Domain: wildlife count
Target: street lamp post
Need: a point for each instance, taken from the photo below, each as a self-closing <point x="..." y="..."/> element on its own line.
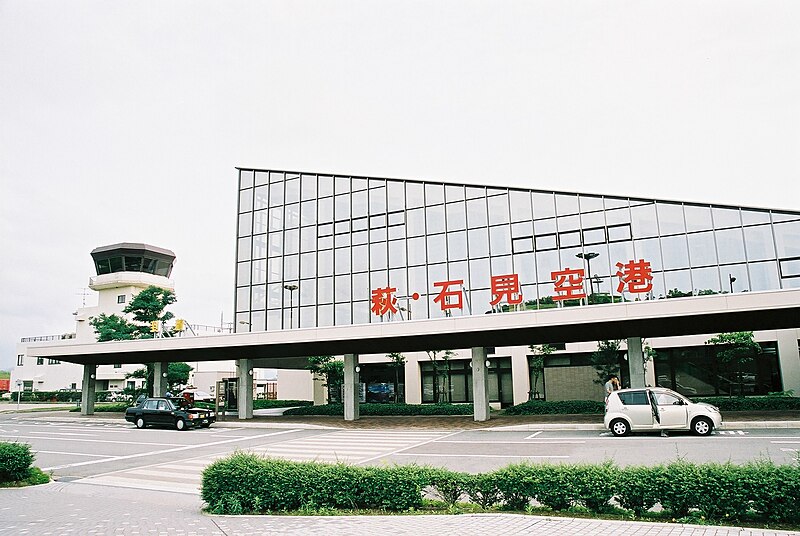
<point x="731" y="280"/>
<point x="588" y="256"/>
<point x="291" y="289"/>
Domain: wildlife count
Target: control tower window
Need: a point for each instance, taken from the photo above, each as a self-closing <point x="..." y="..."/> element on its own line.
<point x="121" y="298"/>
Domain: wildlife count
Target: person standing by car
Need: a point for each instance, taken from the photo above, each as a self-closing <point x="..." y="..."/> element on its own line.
<point x="611" y="385"/>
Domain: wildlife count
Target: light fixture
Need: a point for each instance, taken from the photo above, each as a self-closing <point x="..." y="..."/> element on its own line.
<point x="163" y="374"/>
<point x="488" y="363"/>
<point x="244" y="322"/>
<point x="250" y="372"/>
<point x="91" y="376"/>
<point x="358" y="369"/>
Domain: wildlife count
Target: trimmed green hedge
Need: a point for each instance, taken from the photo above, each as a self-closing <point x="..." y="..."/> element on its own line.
<point x="754" y="492"/>
<point x="562" y="407"/>
<point x="15" y="461"/>
<point x="269" y="404"/>
<point x="386" y="409"/>
<point x="752" y="403"/>
<point x="60" y="396"/>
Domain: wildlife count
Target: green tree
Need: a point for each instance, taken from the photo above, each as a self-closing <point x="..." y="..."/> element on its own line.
<point x="440" y="363"/>
<point x="147" y="306"/>
<point x="605" y="360"/>
<point x="177" y="376"/>
<point x="397" y="361"/>
<point x="540" y="352"/>
<point x="332" y="372"/>
<point x="736" y="350"/>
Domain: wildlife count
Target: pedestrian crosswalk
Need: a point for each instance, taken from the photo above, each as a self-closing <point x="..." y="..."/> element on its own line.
<point x="346" y="446"/>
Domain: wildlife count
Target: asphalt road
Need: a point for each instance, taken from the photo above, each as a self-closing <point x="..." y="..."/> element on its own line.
<point x="114" y="453"/>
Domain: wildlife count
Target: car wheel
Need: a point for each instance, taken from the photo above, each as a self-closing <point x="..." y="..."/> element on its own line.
<point x="180" y="424"/>
<point x="702" y="426"/>
<point x="140" y="422"/>
<point x="619" y="428"/>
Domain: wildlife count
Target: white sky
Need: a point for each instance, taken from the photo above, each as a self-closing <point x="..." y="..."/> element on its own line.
<point x="124" y="120"/>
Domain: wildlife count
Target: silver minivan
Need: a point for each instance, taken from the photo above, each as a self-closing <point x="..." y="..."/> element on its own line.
<point x="652" y="409"/>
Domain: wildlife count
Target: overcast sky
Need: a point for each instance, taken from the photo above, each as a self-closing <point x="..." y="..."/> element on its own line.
<point x="124" y="120"/>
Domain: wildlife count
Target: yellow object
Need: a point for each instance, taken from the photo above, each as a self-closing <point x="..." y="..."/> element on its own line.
<point x="179" y="325"/>
<point x="154" y="326"/>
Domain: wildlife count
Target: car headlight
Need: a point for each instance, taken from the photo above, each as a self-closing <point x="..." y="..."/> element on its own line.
<point x="193" y="416"/>
<point x="211" y="414"/>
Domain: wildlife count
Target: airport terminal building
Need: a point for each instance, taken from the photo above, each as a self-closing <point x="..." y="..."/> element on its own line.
<point x="316" y="250"/>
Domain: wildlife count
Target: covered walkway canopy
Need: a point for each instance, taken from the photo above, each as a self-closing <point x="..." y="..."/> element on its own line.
<point x="749" y="311"/>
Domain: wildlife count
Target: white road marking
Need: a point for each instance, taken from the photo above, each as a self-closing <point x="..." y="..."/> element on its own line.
<point x="102" y="441"/>
<point x="474" y="455"/>
<point x="534" y="434"/>
<point x="733" y="432"/>
<point x="409" y="447"/>
<point x="541" y="442"/>
<point x="74" y="454"/>
<point x="785" y="442"/>
<point x="184" y="447"/>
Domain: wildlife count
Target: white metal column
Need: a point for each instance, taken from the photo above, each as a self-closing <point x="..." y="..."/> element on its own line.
<point x="244" y="373"/>
<point x="635" y="362"/>
<point x="88" y="389"/>
<point x="351" y="384"/>
<point x="480" y="384"/>
<point x="160" y="379"/>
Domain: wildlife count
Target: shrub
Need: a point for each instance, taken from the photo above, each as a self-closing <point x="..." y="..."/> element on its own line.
<point x="482" y="490"/>
<point x="753" y="403"/>
<point x="15" y="461"/>
<point x="268" y="404"/>
<point x="518" y="484"/>
<point x="638" y="488"/>
<point x="562" y="407"/>
<point x="449" y="486"/>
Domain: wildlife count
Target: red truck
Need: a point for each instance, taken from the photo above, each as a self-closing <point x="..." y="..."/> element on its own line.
<point x="5" y="385"/>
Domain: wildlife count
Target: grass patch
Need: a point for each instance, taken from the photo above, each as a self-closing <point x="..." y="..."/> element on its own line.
<point x="35" y="478"/>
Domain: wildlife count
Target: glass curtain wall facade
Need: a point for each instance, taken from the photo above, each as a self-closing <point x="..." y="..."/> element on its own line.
<point x="312" y="247"/>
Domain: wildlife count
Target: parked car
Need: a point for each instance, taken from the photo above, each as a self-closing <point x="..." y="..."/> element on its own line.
<point x="168" y="412"/>
<point x="657" y="408"/>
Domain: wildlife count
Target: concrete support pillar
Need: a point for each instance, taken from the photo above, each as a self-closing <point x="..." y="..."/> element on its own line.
<point x="319" y="392"/>
<point x="480" y="384"/>
<point x="88" y="388"/>
<point x="789" y="360"/>
<point x="351" y="387"/>
<point x="160" y="379"/>
<point x="635" y="362"/>
<point x="413" y="382"/>
<point x="244" y="375"/>
<point x="520" y="374"/>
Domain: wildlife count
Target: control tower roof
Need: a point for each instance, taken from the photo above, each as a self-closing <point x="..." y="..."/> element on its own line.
<point x="133" y="257"/>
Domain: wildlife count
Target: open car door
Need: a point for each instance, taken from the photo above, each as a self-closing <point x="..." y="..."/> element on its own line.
<point x="654" y="406"/>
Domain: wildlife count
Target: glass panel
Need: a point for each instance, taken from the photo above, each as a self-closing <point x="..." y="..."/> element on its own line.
<point x="698" y="218"/>
<point x="245" y="223"/>
<point x="262" y="177"/>
<point x="325" y="317"/>
<point x="325" y="186"/>
<point x="784" y="216"/>
<point x="570" y="239"/>
<point x="308" y="239"/>
<point x="359" y="205"/>
<point x="245" y="200"/>
<point x="543" y="205"/>
<point x="274" y="294"/>
<point x="342" y="288"/>
<point x="726" y="217"/>
<point x="545" y="242"/>
<point x="594" y="236"/>
<point x="259" y="297"/>
<point x="308" y="211"/>
<point x="342" y="312"/>
<point x="243" y="299"/>
<point x="259" y="246"/>
<point x="501" y="265"/>
<point x="593" y="219"/>
<point x="416" y="251"/>
<point x="675" y="251"/>
<point x="618" y="216"/>
<point x="739" y="273"/>
<point x="260" y="222"/>
<point x="763" y="276"/>
<point x="525" y="267"/>
<point x="591" y="203"/>
<point x="418" y="280"/>
<point x="276" y="194"/>
<point x="360" y="258"/>
<point x="397" y="253"/>
<point x="378" y="252"/>
<point x="547" y="262"/>
<point x="566" y="204"/>
<point x="519" y="230"/>
<point x="325" y="210"/>
<point x="435" y="219"/>
<point x="705" y="280"/>
<point x="454" y="193"/>
<point x="476" y="213"/>
<point x="648" y="250"/>
<point x="434" y="193"/>
<point x="758" y="242"/>
<point x="325" y="262"/>
<point x="243" y="274"/>
<point x="457" y="246"/>
<point x="456" y="216"/>
<point x="341" y="185"/>
<point x="258" y="321"/>
<point x="245" y="179"/>
<point x="308" y="264"/>
<point x="498" y="209"/>
<point x="243" y="249"/>
<point x="569" y="223"/>
<point x="325" y="290"/>
<point x="396" y="193"/>
<point x="752" y="217"/>
<point x="361" y="290"/>
<point x="275" y="176"/>
<point x="500" y="240"/>
<point x="275" y="270"/>
<point x="479" y="274"/>
<point x="473" y="192"/>
<point x="643" y="221"/>
<point x="670" y="218"/>
<point x="261" y="197"/>
<point x="730" y="245"/>
<point x="702" y="250"/>
<point x="437" y="248"/>
<point x="308" y="292"/>
<point x="308" y="187"/>
<point x="415" y="225"/>
<point x="342" y="260"/>
<point x="342" y="207"/>
<point x="260" y="271"/>
<point x="291" y="242"/>
<point x="377" y="201"/>
<point x="522" y="245"/>
<point x="415" y="196"/>
<point x="619" y="232"/>
<point x="787" y="238"/>
<point x="543" y="227"/>
<point x="478" y="243"/>
<point x="292" y="191"/>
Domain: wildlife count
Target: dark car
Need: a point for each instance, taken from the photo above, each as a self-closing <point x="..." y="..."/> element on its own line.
<point x="168" y="412"/>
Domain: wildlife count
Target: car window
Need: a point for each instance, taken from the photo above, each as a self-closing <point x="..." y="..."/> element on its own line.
<point x="634" y="398"/>
<point x="150" y="404"/>
<point x="162" y="405"/>
<point x="666" y="399"/>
